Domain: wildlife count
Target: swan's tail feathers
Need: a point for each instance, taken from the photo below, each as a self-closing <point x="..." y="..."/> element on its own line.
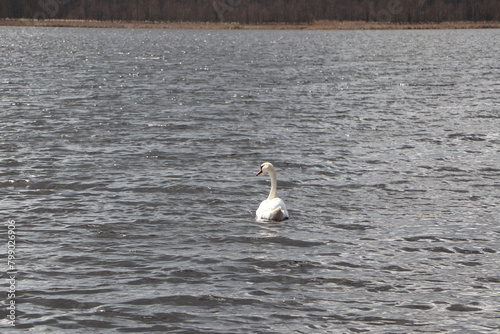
<point x="277" y="214"/>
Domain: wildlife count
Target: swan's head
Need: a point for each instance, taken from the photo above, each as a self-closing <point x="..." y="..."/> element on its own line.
<point x="265" y="167"/>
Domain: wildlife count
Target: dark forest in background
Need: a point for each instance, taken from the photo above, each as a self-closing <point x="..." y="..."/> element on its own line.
<point x="255" y="11"/>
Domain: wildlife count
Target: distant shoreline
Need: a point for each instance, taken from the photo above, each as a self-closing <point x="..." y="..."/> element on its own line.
<point x="316" y="25"/>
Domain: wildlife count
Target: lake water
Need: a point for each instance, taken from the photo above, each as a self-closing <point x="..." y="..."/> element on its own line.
<point x="128" y="161"/>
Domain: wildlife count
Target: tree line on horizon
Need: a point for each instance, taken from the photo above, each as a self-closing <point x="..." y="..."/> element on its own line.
<point x="255" y="11"/>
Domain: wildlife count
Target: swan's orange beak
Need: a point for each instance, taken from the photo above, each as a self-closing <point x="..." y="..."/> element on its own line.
<point x="259" y="172"/>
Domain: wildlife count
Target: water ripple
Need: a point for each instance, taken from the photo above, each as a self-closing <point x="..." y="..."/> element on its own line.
<point x="129" y="160"/>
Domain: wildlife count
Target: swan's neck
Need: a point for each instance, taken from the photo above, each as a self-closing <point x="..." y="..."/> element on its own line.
<point x="272" y="193"/>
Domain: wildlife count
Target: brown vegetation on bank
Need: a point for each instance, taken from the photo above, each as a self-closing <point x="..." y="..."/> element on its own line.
<point x="315" y="25"/>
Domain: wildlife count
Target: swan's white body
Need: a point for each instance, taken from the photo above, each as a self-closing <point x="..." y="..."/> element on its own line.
<point x="273" y="208"/>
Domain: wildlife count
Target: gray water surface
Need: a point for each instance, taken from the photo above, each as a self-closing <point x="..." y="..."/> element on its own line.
<point x="128" y="161"/>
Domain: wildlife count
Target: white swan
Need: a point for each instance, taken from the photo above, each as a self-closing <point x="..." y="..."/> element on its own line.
<point x="273" y="208"/>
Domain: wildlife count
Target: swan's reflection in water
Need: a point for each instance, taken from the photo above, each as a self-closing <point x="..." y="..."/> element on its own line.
<point x="269" y="229"/>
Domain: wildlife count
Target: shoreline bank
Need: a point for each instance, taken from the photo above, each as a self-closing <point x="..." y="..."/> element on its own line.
<point x="316" y="25"/>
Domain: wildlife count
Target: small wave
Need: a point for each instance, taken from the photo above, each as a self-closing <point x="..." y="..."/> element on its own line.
<point x="417" y="306"/>
<point x="422" y="238"/>
<point x="60" y="303"/>
<point x="284" y="264"/>
<point x="190" y="300"/>
<point x="268" y="240"/>
<point x="24" y="183"/>
<point x="463" y="308"/>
